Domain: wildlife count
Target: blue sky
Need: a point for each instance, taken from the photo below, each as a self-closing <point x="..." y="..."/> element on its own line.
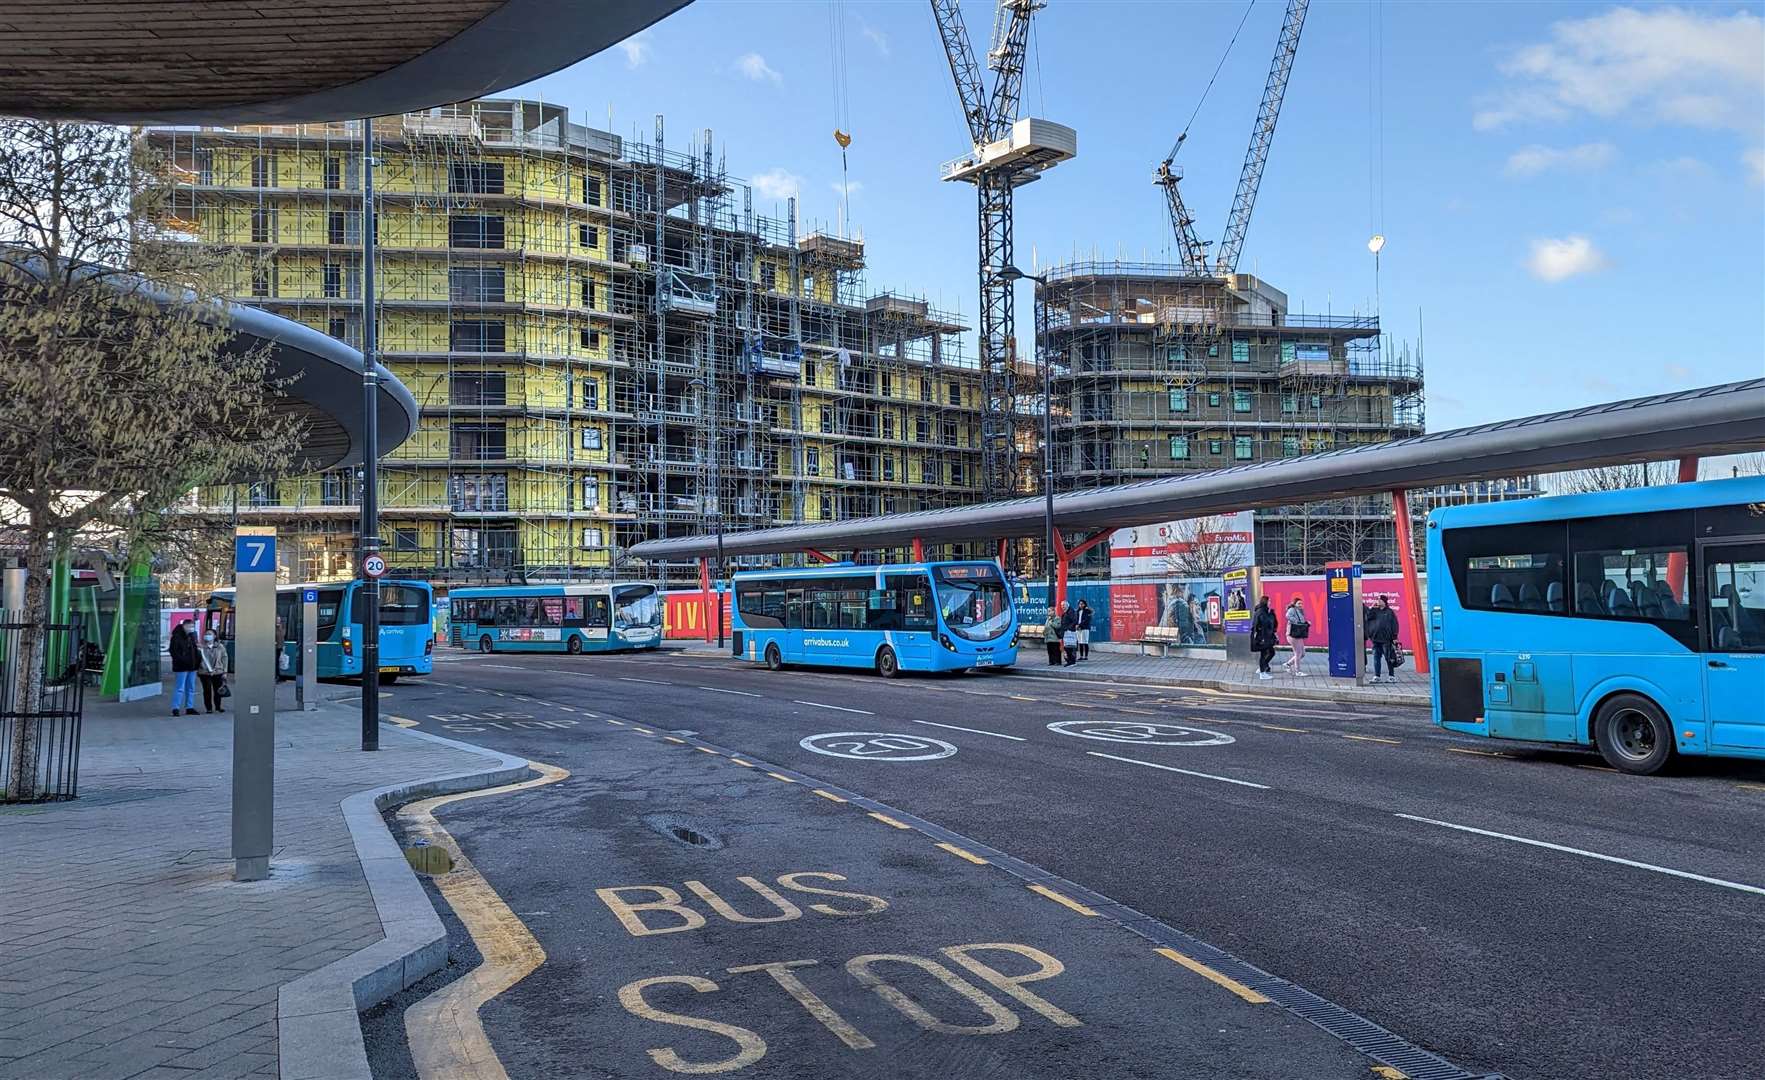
<point x="1573" y="195"/>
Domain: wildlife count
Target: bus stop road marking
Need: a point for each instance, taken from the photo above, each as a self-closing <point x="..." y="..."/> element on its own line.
<point x="962" y="853"/>
<point x="828" y="795"/>
<point x="401" y="721"/>
<point x="972" y="731"/>
<point x="1213" y="976"/>
<point x="1374" y="738"/>
<point x="1686" y="874"/>
<point x="1752" y="787"/>
<point x="652" y="682"/>
<point x="836" y="708"/>
<point x="887" y="820"/>
<point x="1185" y="772"/>
<point x="672" y="739"/>
<point x="1278" y="727"/>
<point x="781" y="777"/>
<point x="1479" y="753"/>
<point x="721" y="690"/>
<point x="1062" y="899"/>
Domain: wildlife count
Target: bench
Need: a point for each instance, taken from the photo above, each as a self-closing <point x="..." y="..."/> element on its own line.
<point x="1160" y="638"/>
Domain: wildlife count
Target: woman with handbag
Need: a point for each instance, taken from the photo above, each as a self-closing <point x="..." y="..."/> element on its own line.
<point x="213" y="672"/>
<point x="1298" y="629"/>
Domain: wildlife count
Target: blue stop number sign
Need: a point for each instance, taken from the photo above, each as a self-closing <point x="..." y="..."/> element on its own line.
<point x="373" y="566"/>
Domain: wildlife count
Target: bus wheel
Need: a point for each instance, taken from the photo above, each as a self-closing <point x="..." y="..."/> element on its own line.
<point x="1632" y="735"/>
<point x="774" y="660"/>
<point x="886" y="664"/>
<point x="575" y="645"/>
<point x="484" y="643"/>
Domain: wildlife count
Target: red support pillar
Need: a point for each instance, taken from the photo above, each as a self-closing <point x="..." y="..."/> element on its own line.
<point x="1412" y="586"/>
<point x="1063" y="557"/>
<point x="1003" y="544"/>
<point x="705" y="596"/>
<point x="918" y="549"/>
<point x="1688" y="472"/>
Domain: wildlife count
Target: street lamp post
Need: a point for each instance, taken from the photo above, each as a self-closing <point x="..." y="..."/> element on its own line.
<point x="370" y="524"/>
<point x="1045" y="359"/>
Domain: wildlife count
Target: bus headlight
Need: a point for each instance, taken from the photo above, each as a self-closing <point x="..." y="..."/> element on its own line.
<point x="944" y="640"/>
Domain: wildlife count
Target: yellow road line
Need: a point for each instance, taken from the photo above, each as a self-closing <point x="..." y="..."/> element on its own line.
<point x="1479" y="753"/>
<point x="672" y="739"/>
<point x="962" y="854"/>
<point x="1213" y="976"/>
<point x="645" y="730"/>
<point x="1062" y="900"/>
<point x="1278" y="727"/>
<point x="401" y="721"/>
<point x="446" y="1037"/>
<point x="1752" y="787"/>
<point x="743" y="764"/>
<point x="1020" y="697"/>
<point x="1386" y="1072"/>
<point x="887" y="820"/>
<point x="1374" y="738"/>
<point x="781" y="776"/>
<point x="830" y="796"/>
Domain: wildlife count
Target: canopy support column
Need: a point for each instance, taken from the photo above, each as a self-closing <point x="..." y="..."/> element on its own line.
<point x="705" y="597"/>
<point x="1412" y="588"/>
<point x="1063" y="557"/>
<point x="1676" y="563"/>
<point x="918" y="549"/>
<point x="822" y="555"/>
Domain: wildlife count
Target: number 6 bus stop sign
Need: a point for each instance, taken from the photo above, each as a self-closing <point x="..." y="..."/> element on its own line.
<point x="373" y="566"/>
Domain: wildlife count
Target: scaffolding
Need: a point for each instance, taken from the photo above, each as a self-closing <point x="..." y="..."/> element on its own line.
<point x="1157" y="370"/>
<point x="605" y="341"/>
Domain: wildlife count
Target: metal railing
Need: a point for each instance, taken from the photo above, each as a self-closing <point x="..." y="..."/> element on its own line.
<point x="41" y="705"/>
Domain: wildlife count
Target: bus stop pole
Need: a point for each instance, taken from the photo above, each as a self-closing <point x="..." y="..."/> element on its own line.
<point x="369" y="594"/>
<point x="255" y="652"/>
<point x="307" y="688"/>
<point x="1412" y="587"/>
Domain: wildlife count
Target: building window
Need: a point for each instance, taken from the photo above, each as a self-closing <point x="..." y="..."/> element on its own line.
<point x="1213" y="351"/>
<point x="1240" y="352"/>
<point x="592" y="537"/>
<point x="477" y="284"/>
<point x="475" y="231"/>
<point x="812" y="460"/>
<point x="591" y="495"/>
<point x="479" y="492"/>
<point x="888" y="425"/>
<point x="591" y="438"/>
<point x="337" y="488"/>
<point x="826" y="506"/>
<point x="338" y="328"/>
<point x="591" y="339"/>
<point x="1179" y="448"/>
<point x="477" y="335"/>
<point x="1240" y="401"/>
<point x="957" y="477"/>
<point x="1179" y="401"/>
<point x="262" y="494"/>
<point x="260" y="280"/>
<point x="1289" y="403"/>
<point x="922" y="428"/>
<point x="955" y="389"/>
<point x="826" y="420"/>
<point x="588" y="236"/>
<point x="1214" y="446"/>
<point x="768" y="276"/>
<point x="478" y="442"/>
<point x="588" y="292"/>
<point x="591" y="189"/>
<point x="406" y="539"/>
<point x="263" y="226"/>
<point x="888" y="385"/>
<point x="1317" y="401"/>
<point x="947" y="433"/>
<point x="808" y="372"/>
<point x="476" y="178"/>
<point x="263" y="170"/>
<point x="925" y="389"/>
<point x="333" y="280"/>
<point x="888" y="466"/>
<point x="333" y="173"/>
<point x="336" y="228"/>
<point x="478" y="388"/>
<point x="1289" y="446"/>
<point x="591" y="394"/>
<point x="1242" y="447"/>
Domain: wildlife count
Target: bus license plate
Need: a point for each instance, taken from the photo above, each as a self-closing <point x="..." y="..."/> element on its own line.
<point x="393" y="670"/>
<point x="983" y="662"/>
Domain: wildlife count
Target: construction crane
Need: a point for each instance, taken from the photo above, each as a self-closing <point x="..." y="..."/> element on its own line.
<point x="1006" y="153"/>
<point x="1191" y="251"/>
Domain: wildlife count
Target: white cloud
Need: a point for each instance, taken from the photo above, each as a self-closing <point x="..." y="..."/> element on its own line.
<point x="876" y="37"/>
<point x="1667" y="65"/>
<point x="778" y="184"/>
<point x="1534" y="159"/>
<point x="1683" y="167"/>
<point x="755" y="67"/>
<point x="637" y="50"/>
<point x="1678" y="373"/>
<point x="1754" y="160"/>
<point x="852" y="188"/>
<point x="1559" y="259"/>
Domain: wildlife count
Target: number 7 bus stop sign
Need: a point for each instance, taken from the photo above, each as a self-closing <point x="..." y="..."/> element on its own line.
<point x="373" y="566"/>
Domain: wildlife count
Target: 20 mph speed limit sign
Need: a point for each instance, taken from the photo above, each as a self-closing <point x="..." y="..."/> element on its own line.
<point x="373" y="566"/>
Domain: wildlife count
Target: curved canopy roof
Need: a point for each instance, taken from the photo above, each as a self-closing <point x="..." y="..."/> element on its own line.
<point x="245" y="61"/>
<point x="1724" y="419"/>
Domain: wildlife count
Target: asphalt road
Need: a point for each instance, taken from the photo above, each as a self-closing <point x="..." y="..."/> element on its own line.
<point x="1448" y="891"/>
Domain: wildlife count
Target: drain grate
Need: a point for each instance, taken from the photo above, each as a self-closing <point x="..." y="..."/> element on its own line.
<point x="689" y="836"/>
<point x="685" y="830"/>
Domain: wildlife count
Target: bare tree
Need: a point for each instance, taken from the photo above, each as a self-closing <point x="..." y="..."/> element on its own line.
<point x="1207" y="547"/>
<point x="122" y="385"/>
<point x="1613" y="477"/>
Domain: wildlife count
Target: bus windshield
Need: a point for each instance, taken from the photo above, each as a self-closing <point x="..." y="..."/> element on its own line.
<point x="636" y="606"/>
<point x="973" y="601"/>
<point x="401" y="605"/>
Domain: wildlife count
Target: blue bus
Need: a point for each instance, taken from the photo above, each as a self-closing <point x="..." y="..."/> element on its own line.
<point x="407" y="628"/>
<point x="557" y="618"/>
<point x="938" y="616"/>
<point x="1632" y="621"/>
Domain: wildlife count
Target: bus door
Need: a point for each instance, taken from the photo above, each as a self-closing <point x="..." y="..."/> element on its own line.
<point x="1734" y="666"/>
<point x="794" y="611"/>
<point x="597" y="621"/>
<point x="919" y="624"/>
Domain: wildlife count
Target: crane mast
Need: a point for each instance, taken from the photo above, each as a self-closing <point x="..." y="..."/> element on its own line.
<point x="1191" y="249"/>
<point x="1250" y="177"/>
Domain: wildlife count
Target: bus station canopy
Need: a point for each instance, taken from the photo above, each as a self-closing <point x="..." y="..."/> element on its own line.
<point x="1724" y="419"/>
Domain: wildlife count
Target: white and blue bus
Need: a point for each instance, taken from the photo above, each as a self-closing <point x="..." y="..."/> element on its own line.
<point x="407" y="627"/>
<point x="938" y="616"/>
<point x="1633" y="621"/>
<point x="557" y="618"/>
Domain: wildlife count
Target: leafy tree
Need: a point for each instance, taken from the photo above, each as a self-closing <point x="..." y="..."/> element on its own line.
<point x="122" y="383"/>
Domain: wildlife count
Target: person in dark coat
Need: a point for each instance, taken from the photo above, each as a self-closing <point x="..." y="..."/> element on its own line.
<point x="1085" y="617"/>
<point x="185" y="662"/>
<point x="1069" y="634"/>
<point x="1262" y="637"/>
<point x="1381" y="630"/>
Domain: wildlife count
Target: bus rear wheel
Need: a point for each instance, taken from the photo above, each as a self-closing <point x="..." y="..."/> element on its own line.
<point x="484" y="644"/>
<point x="575" y="646"/>
<point x="774" y="659"/>
<point x="887" y="665"/>
<point x="1633" y="735"/>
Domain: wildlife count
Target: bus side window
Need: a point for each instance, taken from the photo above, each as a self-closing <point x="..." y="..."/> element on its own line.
<point x="793" y="609"/>
<point x="881" y="611"/>
<point x="573" y="611"/>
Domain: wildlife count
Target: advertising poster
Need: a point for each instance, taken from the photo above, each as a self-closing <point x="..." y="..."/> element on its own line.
<point x="1311" y="590"/>
<point x="684" y="615"/>
<point x="1169" y="575"/>
<point x="1238" y="614"/>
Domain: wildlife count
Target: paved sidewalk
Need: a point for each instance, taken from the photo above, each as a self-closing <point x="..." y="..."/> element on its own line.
<point x="1220" y="674"/>
<point x="127" y="950"/>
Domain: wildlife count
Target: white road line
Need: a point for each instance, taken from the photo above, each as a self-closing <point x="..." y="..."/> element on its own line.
<point x="973" y="731"/>
<point x="836" y="708"/>
<point x="721" y="690"/>
<point x="652" y="682"/>
<point x="1185" y="772"/>
<point x="1591" y="855"/>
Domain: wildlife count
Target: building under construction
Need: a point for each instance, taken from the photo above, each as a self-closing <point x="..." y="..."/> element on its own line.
<point x="1157" y="369"/>
<point x="607" y="343"/>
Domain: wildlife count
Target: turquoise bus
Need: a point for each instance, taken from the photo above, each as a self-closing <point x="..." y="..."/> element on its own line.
<point x="407" y="627"/>
<point x="1632" y="621"/>
<point x="557" y="618"/>
<point x="938" y="616"/>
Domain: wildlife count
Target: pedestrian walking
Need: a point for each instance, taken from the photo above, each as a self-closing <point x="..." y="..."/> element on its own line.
<point x="1298" y="629"/>
<point x="1085" y="617"/>
<point x="213" y="672"/>
<point x="1051" y="636"/>
<point x="1381" y="630"/>
<point x="185" y="662"/>
<point x="1069" y="633"/>
<point x="1262" y="636"/>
